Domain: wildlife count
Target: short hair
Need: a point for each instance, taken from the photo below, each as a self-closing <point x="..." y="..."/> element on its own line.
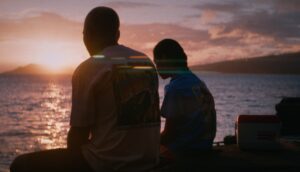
<point x="170" y="51"/>
<point x="102" y="22"/>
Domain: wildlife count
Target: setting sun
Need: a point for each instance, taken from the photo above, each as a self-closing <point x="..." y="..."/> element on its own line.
<point x="53" y="64"/>
<point x="51" y="55"/>
<point x="56" y="56"/>
<point x="81" y="81"/>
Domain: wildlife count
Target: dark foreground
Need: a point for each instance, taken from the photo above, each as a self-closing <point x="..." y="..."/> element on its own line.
<point x="230" y="158"/>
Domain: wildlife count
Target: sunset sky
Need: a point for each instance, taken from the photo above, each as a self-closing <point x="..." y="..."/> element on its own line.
<point x="50" y="31"/>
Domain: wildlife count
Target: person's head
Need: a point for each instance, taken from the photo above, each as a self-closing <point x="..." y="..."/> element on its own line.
<point x="169" y="58"/>
<point x="101" y="29"/>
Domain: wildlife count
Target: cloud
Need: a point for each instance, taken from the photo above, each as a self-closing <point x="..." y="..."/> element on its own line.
<point x="208" y="16"/>
<point x="246" y="34"/>
<point x="248" y="28"/>
<point x="122" y="4"/>
<point x="27" y="33"/>
<point x="212" y="13"/>
<point x="231" y="7"/>
<point x="280" y="26"/>
<point x="283" y="5"/>
<point x="34" y="38"/>
<point x="243" y="23"/>
<point x="41" y="25"/>
<point x="145" y="36"/>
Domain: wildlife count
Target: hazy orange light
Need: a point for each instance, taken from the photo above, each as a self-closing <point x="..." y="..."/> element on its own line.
<point x="53" y="61"/>
<point x="53" y="56"/>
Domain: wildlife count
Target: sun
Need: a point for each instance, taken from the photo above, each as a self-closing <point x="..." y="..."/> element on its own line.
<point x="53" y="65"/>
<point x="53" y="62"/>
<point x="53" y="58"/>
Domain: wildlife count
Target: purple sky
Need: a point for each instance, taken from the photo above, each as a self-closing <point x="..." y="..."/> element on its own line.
<point x="50" y="32"/>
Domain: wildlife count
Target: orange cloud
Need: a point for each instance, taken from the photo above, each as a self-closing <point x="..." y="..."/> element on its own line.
<point x="208" y="16"/>
<point x="24" y="40"/>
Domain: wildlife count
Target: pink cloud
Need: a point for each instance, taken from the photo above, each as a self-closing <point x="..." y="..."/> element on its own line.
<point x="220" y="42"/>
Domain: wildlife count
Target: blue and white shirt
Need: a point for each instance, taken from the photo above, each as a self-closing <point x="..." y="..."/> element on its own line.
<point x="190" y="115"/>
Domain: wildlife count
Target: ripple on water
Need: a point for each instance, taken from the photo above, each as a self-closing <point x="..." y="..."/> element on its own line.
<point x="34" y="111"/>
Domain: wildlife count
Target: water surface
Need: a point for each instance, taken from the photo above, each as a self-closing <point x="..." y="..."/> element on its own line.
<point x="34" y="110"/>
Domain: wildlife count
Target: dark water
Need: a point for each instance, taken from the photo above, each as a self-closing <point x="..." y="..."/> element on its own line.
<point x="34" y="111"/>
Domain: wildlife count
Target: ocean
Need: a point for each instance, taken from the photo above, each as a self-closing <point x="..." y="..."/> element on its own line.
<point x="34" y="110"/>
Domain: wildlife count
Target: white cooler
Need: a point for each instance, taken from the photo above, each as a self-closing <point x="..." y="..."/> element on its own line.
<point x="258" y="132"/>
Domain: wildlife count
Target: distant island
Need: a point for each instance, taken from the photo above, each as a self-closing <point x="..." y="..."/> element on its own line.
<point x="288" y="63"/>
<point x="35" y="69"/>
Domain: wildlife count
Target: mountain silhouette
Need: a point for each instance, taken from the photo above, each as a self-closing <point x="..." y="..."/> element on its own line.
<point x="288" y="63"/>
<point x="34" y="69"/>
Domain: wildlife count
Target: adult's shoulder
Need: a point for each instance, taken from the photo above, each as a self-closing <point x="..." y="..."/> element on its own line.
<point x="90" y="67"/>
<point x="184" y="81"/>
<point x="134" y="51"/>
<point x="121" y="50"/>
<point x="81" y="66"/>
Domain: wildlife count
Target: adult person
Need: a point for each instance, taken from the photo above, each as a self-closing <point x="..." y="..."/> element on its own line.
<point x="188" y="105"/>
<point x="115" y="121"/>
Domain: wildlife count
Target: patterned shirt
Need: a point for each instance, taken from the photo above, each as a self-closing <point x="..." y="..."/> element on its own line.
<point x="190" y="115"/>
<point x="115" y="93"/>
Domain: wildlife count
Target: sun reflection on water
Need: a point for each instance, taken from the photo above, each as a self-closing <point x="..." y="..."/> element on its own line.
<point x="55" y="117"/>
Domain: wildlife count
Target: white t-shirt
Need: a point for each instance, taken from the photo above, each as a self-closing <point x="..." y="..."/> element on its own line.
<point x="116" y="94"/>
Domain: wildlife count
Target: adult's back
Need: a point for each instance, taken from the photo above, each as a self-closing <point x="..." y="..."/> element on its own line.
<point x="117" y="96"/>
<point x="114" y="122"/>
